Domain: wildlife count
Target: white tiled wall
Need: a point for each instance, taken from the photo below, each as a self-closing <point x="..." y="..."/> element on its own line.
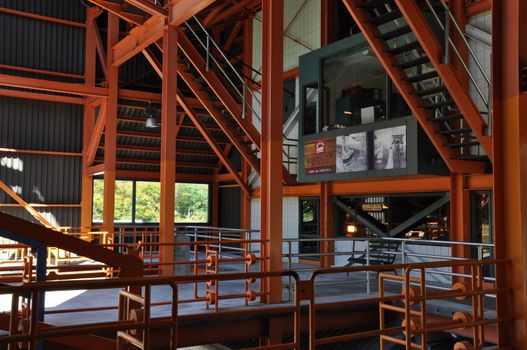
<point x="290" y="219"/>
<point x="302" y="35"/>
<point x="482" y="21"/>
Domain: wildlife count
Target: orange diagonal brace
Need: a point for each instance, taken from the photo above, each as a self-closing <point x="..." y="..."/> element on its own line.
<point x="431" y="129"/>
<point x="148" y="7"/>
<point x="182" y="10"/>
<point x="413" y="15"/>
<point x="117" y="10"/>
<point x="212" y="143"/>
<point x="25" y="205"/>
<point x="138" y="39"/>
<point x="96" y="136"/>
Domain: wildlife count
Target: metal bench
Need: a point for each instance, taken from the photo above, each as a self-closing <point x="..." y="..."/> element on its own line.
<point x="381" y="252"/>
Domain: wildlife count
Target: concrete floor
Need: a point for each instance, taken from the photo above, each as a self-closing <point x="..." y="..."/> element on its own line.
<point x="329" y="288"/>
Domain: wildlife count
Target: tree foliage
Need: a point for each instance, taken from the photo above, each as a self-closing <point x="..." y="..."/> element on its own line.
<point x="192" y="202"/>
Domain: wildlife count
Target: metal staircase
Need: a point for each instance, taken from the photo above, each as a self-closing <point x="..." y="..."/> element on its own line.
<point x="225" y="94"/>
<point x="404" y="35"/>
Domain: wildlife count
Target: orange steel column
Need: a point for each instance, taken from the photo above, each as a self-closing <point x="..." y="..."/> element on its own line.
<point x="327" y="225"/>
<point x="89" y="120"/>
<point x="459" y="216"/>
<point x="110" y="134"/>
<point x="271" y="162"/>
<point x="215" y="199"/>
<point x="247" y="72"/>
<point x="168" y="146"/>
<point x="510" y="167"/>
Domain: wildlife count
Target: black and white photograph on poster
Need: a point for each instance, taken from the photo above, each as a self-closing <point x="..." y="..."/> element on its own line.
<point x="390" y="148"/>
<point x="352" y="153"/>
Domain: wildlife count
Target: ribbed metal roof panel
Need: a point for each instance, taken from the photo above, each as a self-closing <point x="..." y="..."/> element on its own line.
<point x="67" y="216"/>
<point x="62" y="9"/>
<point x="40" y="125"/>
<point x="31" y="43"/>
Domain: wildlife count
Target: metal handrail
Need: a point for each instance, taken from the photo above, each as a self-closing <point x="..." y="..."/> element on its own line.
<point x="245" y="86"/>
<point x="456" y="51"/>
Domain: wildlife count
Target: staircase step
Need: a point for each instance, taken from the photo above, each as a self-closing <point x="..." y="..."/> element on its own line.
<point x="437" y="105"/>
<point x="404" y="48"/>
<point x="395" y="33"/>
<point x="372" y="4"/>
<point x="463" y="144"/>
<point x="417" y="62"/>
<point x="455" y="131"/>
<point x="421" y="77"/>
<point x="385" y="18"/>
<point x="473" y="157"/>
<point x="431" y="91"/>
<point x="447" y="118"/>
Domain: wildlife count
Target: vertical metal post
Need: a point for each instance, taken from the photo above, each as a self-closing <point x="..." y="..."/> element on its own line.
<point x="244" y="99"/>
<point x="289" y="268"/>
<point x="207" y="58"/>
<point x="219" y="245"/>
<point x="368" y="287"/>
<point x="403" y="253"/>
<point x="446" y="57"/>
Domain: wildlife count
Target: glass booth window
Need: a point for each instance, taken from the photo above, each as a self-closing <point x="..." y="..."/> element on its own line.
<point x="311" y="110"/>
<point x="354" y="90"/>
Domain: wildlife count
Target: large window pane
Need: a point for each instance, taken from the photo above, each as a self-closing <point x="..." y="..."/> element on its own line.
<point x="147" y="202"/>
<point x="98" y="200"/>
<point x="192" y="203"/>
<point x="124" y="192"/>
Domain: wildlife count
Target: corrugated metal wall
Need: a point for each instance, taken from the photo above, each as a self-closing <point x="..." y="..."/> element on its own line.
<point x="47" y="179"/>
<point x="229" y="212"/>
<point x="39" y="125"/>
<point x="32" y="43"/>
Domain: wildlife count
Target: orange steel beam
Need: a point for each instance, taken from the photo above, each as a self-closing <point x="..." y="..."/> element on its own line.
<point x="148" y="7"/>
<point x="42" y="18"/>
<point x="215" y="201"/>
<point x="477" y="7"/>
<point x="397" y="75"/>
<point x="213" y="13"/>
<point x="152" y="59"/>
<point x="168" y="147"/>
<point x="101" y="52"/>
<point x="231" y="11"/>
<point x="128" y="265"/>
<point x="232" y="36"/>
<point x="93" y="170"/>
<point x="53" y="86"/>
<point x="89" y="118"/>
<point x="96" y="135"/>
<point x="424" y="34"/>
<point x="158" y="162"/>
<point x="218" y="117"/>
<point x="509" y="54"/>
<point x="25" y="205"/>
<point x="153" y="175"/>
<point x="110" y="132"/>
<point x="118" y="10"/>
<point x="215" y="147"/>
<point x="40" y="71"/>
<point x="180" y="11"/>
<point x="47" y="153"/>
<point x="327" y="229"/>
<point x="30" y="95"/>
<point x="217" y="85"/>
<point x="272" y="124"/>
<point x="460" y="218"/>
<point x="148" y="149"/>
<point x="138" y="39"/>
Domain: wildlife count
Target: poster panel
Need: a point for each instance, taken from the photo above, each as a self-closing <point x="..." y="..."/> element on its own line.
<point x="319" y="157"/>
<point x="390" y="148"/>
<point x="352" y="153"/>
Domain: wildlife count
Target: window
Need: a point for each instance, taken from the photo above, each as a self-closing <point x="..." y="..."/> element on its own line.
<point x="147" y="201"/>
<point x="140" y="202"/>
<point x="192" y="203"/>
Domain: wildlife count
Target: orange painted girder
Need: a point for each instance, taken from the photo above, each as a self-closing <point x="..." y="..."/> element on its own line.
<point x="424" y="116"/>
<point x="459" y="93"/>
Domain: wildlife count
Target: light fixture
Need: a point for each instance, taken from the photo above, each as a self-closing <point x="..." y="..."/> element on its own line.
<point x="351" y="229"/>
<point x="150" y="112"/>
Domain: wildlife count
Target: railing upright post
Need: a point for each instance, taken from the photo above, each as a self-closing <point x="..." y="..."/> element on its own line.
<point x="447" y="36"/>
<point x="207" y="58"/>
<point x="368" y="264"/>
<point x="244" y="101"/>
<point x="289" y="268"/>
